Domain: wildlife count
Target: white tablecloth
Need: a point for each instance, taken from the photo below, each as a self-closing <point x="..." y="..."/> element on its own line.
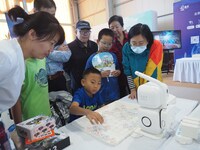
<point x="187" y="70"/>
<point x="172" y="144"/>
<point x="80" y="140"/>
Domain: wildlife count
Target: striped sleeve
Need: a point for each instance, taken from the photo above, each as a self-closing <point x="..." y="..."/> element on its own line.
<point x="130" y="82"/>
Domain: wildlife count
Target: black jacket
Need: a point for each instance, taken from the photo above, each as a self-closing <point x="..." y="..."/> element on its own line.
<point x="76" y="64"/>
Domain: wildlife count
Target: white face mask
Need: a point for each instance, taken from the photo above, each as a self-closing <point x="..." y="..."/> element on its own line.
<point x="138" y="49"/>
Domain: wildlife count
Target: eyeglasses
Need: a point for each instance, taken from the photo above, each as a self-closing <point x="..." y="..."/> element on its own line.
<point x="84" y="32"/>
<point x="106" y="44"/>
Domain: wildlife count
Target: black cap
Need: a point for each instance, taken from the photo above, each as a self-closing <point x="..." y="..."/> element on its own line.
<point x="83" y="25"/>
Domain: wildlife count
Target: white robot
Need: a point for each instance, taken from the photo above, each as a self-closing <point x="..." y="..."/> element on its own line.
<point x="156" y="107"/>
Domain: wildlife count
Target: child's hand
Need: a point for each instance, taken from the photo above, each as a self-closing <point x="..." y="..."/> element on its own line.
<point x="115" y="73"/>
<point x="105" y="74"/>
<point x="63" y="47"/>
<point x="94" y="117"/>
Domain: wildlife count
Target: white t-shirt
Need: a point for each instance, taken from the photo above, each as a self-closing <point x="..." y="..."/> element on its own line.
<point x="12" y="73"/>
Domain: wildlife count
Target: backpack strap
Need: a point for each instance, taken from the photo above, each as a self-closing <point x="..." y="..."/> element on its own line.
<point x="57" y="110"/>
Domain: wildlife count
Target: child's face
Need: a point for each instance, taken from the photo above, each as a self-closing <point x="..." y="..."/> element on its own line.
<point x="105" y="43"/>
<point x="91" y="83"/>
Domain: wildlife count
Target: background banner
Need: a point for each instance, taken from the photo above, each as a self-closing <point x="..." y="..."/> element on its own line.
<point x="187" y="19"/>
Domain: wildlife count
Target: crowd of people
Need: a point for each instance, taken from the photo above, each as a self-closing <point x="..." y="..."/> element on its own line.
<point x="35" y="63"/>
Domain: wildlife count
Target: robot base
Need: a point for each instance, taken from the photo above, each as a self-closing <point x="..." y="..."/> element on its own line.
<point x="152" y="136"/>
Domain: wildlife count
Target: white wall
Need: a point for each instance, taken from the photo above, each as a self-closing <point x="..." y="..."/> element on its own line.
<point x="96" y="13"/>
<point x="93" y="11"/>
<point x="148" y="17"/>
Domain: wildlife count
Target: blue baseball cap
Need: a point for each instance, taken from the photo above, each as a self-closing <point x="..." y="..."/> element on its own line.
<point x="83" y="25"/>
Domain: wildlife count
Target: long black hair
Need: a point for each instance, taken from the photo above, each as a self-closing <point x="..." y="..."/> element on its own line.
<point x="142" y="29"/>
<point x="44" y="24"/>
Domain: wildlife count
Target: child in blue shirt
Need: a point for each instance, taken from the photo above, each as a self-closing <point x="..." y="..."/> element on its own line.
<point x="87" y="99"/>
<point x="106" y="63"/>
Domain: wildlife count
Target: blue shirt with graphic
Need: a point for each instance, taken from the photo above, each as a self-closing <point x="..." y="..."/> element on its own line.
<point x="109" y="86"/>
<point x="85" y="101"/>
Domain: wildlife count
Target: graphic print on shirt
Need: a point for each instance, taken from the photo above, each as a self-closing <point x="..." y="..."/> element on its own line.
<point x="41" y="77"/>
<point x="92" y="107"/>
<point x="103" y="61"/>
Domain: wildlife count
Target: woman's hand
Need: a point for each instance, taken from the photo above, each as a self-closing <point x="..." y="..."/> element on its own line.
<point x="133" y="94"/>
<point x="94" y="117"/>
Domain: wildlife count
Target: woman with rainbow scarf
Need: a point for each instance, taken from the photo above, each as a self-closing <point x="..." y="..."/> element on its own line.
<point x="141" y="53"/>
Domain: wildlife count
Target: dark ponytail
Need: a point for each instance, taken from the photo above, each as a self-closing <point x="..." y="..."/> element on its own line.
<point x="17" y="12"/>
<point x="45" y="25"/>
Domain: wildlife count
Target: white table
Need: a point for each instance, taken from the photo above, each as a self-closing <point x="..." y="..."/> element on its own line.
<point x="187" y="70"/>
<point x="172" y="144"/>
<point x="80" y="140"/>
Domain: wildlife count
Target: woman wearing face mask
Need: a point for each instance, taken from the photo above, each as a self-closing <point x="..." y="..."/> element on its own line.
<point x="141" y="53"/>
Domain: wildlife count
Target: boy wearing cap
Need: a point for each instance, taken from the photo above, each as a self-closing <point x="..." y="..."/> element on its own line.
<point x="81" y="48"/>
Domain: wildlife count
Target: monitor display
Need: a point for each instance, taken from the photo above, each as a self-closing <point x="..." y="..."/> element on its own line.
<point x="171" y="39"/>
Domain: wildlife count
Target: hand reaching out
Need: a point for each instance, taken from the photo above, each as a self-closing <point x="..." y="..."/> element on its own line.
<point x="133" y="94"/>
<point x="94" y="117"/>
